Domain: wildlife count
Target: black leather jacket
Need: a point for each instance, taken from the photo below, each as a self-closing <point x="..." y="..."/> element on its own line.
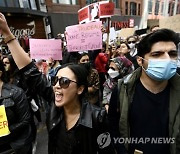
<point x="91" y="124"/>
<point x="18" y="116"/>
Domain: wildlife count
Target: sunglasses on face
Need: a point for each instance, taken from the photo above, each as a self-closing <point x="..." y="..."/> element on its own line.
<point x="129" y="42"/>
<point x="63" y="82"/>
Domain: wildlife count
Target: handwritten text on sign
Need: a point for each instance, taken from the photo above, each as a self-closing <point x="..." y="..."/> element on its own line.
<point x="4" y="129"/>
<point x="84" y="37"/>
<point x="45" y="49"/>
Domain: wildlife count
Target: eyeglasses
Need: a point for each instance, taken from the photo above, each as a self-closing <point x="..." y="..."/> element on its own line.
<point x="63" y="82"/>
<point x="129" y="42"/>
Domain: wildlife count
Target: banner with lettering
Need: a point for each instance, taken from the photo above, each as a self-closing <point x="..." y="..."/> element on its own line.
<point x="84" y="37"/>
<point x="106" y="9"/>
<point x="4" y="129"/>
<point x="45" y="49"/>
<point x="95" y="11"/>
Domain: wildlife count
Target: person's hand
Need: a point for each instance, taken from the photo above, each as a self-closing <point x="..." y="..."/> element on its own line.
<point x="4" y="29"/>
<point x="106" y="107"/>
<point x="103" y="30"/>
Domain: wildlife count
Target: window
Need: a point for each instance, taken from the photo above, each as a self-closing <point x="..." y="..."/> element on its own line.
<point x="65" y="1"/>
<point x="178" y="9"/>
<point x="132" y="8"/>
<point x="55" y="1"/>
<point x="171" y="8"/>
<point x="126" y="8"/>
<point x="139" y="9"/>
<point x="116" y="3"/>
<point x="16" y="3"/>
<point x="150" y="6"/>
<point x="173" y="5"/>
<point x="162" y="7"/>
<point x="2" y="3"/>
<point x="90" y="1"/>
<point x="10" y="3"/>
<point x="26" y="4"/>
<point x="33" y="5"/>
<point x="71" y="2"/>
<point x="74" y="2"/>
<point x="156" y="7"/>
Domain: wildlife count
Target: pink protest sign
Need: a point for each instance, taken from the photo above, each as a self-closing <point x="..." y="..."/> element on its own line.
<point x="44" y="49"/>
<point x="84" y="37"/>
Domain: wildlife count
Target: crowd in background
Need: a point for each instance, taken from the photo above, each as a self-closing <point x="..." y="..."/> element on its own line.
<point x="104" y="66"/>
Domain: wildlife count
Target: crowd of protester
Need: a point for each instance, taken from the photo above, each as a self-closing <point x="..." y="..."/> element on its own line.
<point x="91" y="93"/>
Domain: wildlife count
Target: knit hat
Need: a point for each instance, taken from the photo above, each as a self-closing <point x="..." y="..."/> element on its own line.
<point x="124" y="65"/>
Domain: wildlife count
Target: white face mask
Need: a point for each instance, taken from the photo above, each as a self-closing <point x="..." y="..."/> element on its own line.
<point x="113" y="73"/>
<point x="132" y="45"/>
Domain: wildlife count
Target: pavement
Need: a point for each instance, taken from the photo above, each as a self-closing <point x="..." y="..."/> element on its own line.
<point x="42" y="137"/>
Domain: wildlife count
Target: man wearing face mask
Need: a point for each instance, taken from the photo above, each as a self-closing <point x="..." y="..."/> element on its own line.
<point x="149" y="98"/>
<point x="118" y="68"/>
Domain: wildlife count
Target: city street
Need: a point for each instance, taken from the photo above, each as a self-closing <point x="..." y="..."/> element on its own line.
<point x="42" y="138"/>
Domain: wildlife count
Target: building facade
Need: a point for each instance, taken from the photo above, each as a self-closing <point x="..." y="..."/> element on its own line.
<point x="64" y="13"/>
<point x="26" y="19"/>
<point x="47" y="18"/>
<point x="25" y="16"/>
<point x="157" y="9"/>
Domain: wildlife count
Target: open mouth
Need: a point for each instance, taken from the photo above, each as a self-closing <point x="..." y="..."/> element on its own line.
<point x="58" y="96"/>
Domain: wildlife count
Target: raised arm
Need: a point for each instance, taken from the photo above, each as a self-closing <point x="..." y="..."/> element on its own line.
<point x="20" y="56"/>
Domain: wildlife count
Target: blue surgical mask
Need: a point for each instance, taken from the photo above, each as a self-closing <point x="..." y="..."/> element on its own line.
<point x="161" y="69"/>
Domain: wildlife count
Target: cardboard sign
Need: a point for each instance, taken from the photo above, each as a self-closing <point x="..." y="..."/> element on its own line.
<point x="45" y="49"/>
<point x="95" y="11"/>
<point x="172" y="23"/>
<point x="4" y="129"/>
<point x="84" y="37"/>
<point x="126" y="32"/>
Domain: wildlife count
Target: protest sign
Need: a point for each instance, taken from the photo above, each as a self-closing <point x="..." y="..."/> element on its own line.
<point x="4" y="129"/>
<point x="172" y="23"/>
<point x="112" y="36"/>
<point x="126" y="32"/>
<point x="106" y="9"/>
<point x="45" y="49"/>
<point x="83" y="15"/>
<point x="95" y="11"/>
<point x="84" y="37"/>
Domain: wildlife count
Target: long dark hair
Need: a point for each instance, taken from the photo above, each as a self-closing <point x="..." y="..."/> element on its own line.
<point x="4" y="77"/>
<point x="81" y="75"/>
<point x="13" y="67"/>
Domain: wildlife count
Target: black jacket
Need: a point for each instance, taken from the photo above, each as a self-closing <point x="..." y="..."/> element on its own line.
<point x="18" y="116"/>
<point x="92" y="122"/>
<point x="91" y="125"/>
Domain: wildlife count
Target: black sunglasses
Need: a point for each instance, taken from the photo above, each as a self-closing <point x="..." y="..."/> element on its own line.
<point x="131" y="42"/>
<point x="63" y="81"/>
